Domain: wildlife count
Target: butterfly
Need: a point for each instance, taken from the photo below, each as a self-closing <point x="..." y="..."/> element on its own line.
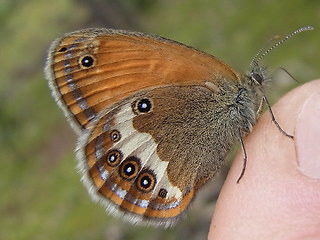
<point x="155" y="118"/>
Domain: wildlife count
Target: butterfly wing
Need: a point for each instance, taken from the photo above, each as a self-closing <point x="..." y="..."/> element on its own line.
<point x="90" y="70"/>
<point x="147" y="156"/>
<point x="144" y="108"/>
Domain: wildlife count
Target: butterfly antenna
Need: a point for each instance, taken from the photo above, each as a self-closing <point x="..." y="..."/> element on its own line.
<point x="264" y="46"/>
<point x="259" y="56"/>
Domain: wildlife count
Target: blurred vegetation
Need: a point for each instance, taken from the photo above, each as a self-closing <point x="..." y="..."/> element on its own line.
<point x="41" y="195"/>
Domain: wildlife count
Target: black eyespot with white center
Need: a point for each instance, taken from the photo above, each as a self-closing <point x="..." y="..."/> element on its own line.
<point x="146" y="181"/>
<point x="144" y="105"/>
<point x="115" y="136"/>
<point x="162" y="193"/>
<point x="87" y="61"/>
<point x="113" y="158"/>
<point x="130" y="168"/>
<point x="141" y="106"/>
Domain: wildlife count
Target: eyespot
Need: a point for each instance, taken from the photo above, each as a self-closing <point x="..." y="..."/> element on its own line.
<point x="63" y="49"/>
<point x="146" y="181"/>
<point x="129" y="168"/>
<point x="115" y="136"/>
<point x="113" y="158"/>
<point x="142" y="106"/>
<point x="162" y="193"/>
<point x="87" y="61"/>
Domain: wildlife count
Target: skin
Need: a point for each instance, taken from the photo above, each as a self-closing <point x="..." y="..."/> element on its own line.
<point x="279" y="194"/>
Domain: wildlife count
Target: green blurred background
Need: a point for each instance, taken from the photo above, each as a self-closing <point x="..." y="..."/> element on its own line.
<point x="41" y="195"/>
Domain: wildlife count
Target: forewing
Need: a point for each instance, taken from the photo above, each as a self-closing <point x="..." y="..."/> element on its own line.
<point x="90" y="70"/>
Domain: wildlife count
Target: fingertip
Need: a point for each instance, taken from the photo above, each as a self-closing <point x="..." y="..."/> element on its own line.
<point x="307" y="139"/>
<point x="272" y="193"/>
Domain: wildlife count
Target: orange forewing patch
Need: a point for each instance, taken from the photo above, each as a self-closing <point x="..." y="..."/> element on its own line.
<point x="126" y="63"/>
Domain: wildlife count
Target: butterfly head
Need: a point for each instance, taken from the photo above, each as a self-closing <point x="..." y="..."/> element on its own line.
<point x="258" y="74"/>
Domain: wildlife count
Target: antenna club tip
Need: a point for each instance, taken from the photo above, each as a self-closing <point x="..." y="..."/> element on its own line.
<point x="307" y="28"/>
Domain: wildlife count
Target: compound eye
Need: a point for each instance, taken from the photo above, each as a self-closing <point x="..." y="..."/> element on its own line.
<point x="257" y="77"/>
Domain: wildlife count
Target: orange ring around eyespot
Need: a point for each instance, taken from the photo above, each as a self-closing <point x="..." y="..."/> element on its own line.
<point x="135" y="163"/>
<point x="146" y="173"/>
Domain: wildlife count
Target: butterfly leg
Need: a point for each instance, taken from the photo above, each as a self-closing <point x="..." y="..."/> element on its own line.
<point x="261" y="106"/>
<point x="244" y="157"/>
<point x="274" y="120"/>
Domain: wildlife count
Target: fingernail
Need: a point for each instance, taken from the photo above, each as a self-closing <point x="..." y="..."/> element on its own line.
<point x="307" y="137"/>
